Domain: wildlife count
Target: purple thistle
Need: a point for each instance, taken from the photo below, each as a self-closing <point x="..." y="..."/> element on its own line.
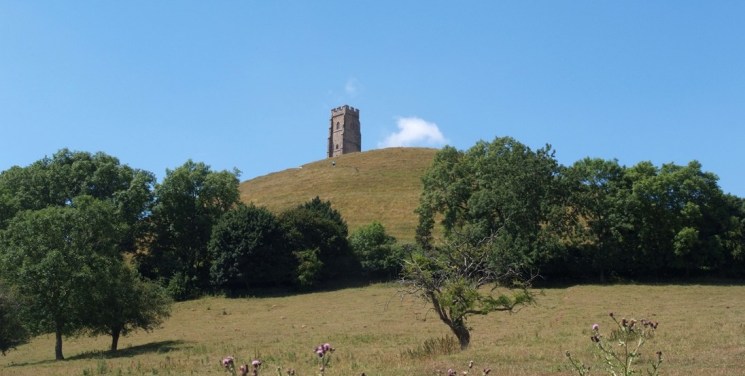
<point x="227" y="361"/>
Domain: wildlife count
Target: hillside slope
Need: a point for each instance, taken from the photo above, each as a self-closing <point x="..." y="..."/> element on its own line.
<point x="382" y="185"/>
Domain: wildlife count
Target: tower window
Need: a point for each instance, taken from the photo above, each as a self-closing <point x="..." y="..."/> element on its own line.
<point x="337" y="125"/>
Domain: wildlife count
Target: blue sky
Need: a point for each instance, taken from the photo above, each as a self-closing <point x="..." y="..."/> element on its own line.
<point x="250" y="84"/>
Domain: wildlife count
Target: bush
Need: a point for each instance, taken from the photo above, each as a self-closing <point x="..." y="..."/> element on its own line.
<point x="376" y="251"/>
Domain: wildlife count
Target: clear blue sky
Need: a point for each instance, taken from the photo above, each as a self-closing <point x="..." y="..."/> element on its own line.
<point x="250" y="84"/>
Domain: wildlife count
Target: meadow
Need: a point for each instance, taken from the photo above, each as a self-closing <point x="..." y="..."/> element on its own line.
<point x="701" y="331"/>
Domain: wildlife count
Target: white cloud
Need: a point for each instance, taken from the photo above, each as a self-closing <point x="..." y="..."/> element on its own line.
<point x="351" y="87"/>
<point x="413" y="131"/>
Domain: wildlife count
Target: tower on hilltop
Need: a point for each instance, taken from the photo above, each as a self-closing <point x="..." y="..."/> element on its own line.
<point x="344" y="131"/>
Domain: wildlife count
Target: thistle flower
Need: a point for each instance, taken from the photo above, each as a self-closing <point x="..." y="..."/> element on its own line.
<point x="321" y="350"/>
<point x="595" y="327"/>
<point x="228" y="361"/>
<point x="256" y="363"/>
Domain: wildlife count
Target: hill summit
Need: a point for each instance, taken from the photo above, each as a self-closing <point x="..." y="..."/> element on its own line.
<point x="377" y="185"/>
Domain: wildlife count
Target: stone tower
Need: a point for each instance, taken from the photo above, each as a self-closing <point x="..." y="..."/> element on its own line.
<point x="344" y="131"/>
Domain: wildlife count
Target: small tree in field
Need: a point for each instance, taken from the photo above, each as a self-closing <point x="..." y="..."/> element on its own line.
<point x="461" y="280"/>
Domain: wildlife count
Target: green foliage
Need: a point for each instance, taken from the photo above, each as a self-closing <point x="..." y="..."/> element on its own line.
<point x="12" y="330"/>
<point x="501" y="190"/>
<point x="309" y="267"/>
<point x="454" y="279"/>
<point x="124" y="302"/>
<point x="497" y="204"/>
<point x="315" y="225"/>
<point x="646" y="221"/>
<point x="619" y="352"/>
<point x="376" y="251"/>
<point x="66" y="221"/>
<point x="247" y="250"/>
<point x="51" y="255"/>
<point x="57" y="181"/>
<point x="189" y="201"/>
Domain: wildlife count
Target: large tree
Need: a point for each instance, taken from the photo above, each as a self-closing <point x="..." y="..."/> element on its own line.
<point x="497" y="203"/>
<point x="500" y="190"/>
<point x="189" y="201"/>
<point x="64" y="221"/>
<point x="247" y="250"/>
<point x="316" y="231"/>
<point x="51" y="256"/>
<point x="680" y="216"/>
<point x="598" y="196"/>
<point x="56" y="181"/>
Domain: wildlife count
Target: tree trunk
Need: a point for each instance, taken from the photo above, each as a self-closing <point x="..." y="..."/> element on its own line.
<point x="461" y="332"/>
<point x="115" y="338"/>
<point x="58" y="345"/>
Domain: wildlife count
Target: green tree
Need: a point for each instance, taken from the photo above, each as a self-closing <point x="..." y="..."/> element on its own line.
<point x="316" y="225"/>
<point x="189" y="201"/>
<point x="598" y="199"/>
<point x="680" y="216"/>
<point x="247" y="250"/>
<point x="51" y="255"/>
<point x="123" y="302"/>
<point x="459" y="280"/>
<point x="501" y="190"/>
<point x="12" y="330"/>
<point x="376" y="250"/>
<point x="498" y="205"/>
<point x="309" y="267"/>
<point x="68" y="174"/>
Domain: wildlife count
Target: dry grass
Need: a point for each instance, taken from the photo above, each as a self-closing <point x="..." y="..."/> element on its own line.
<point x="379" y="185"/>
<point x="701" y="332"/>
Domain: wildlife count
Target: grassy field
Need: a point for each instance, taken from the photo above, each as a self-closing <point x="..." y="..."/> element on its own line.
<point x="382" y="185"/>
<point x="701" y="332"/>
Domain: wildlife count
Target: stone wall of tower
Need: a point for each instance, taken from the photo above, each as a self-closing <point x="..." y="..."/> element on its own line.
<point x="344" y="131"/>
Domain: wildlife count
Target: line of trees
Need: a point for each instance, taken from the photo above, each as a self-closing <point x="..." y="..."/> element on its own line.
<point x="499" y="213"/>
<point x="593" y="219"/>
<point x="88" y="245"/>
<point x="91" y="246"/>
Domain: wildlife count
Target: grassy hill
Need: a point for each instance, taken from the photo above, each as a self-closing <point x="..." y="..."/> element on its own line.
<point x="382" y="185"/>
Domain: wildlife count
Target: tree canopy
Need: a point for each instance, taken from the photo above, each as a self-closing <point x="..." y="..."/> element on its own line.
<point x="247" y="250"/>
<point x="51" y="256"/>
<point x="189" y="201"/>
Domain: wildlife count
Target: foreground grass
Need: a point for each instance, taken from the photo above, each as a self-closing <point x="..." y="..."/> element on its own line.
<point x="702" y="331"/>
